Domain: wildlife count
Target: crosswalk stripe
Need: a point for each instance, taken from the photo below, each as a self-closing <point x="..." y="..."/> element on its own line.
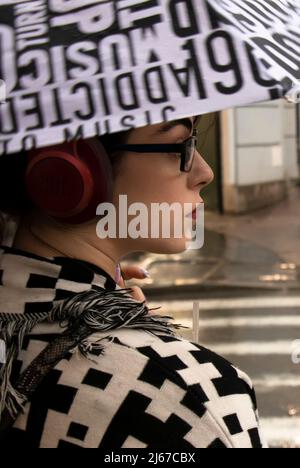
<point x="279" y="430"/>
<point x="252" y="348"/>
<point x="225" y="303"/>
<point x="255" y="322"/>
<point x="270" y="381"/>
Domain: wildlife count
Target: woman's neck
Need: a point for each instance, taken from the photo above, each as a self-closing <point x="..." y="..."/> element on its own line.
<point x="46" y="241"/>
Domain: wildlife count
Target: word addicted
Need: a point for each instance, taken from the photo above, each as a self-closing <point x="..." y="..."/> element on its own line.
<point x="161" y="221"/>
<point x="2" y="92"/>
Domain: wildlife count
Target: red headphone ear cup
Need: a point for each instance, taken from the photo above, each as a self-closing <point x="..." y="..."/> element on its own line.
<point x="67" y="186"/>
<point x="99" y="164"/>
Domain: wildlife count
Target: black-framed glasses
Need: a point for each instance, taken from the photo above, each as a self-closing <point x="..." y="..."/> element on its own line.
<point x="187" y="150"/>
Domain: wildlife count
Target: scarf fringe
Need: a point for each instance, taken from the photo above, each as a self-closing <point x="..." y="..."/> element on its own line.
<point x="89" y="348"/>
<point x="98" y="310"/>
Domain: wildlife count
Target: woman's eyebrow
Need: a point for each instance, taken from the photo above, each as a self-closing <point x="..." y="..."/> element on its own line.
<point x="175" y="123"/>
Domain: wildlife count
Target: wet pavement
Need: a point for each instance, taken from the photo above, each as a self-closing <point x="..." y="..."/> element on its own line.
<point x="224" y="262"/>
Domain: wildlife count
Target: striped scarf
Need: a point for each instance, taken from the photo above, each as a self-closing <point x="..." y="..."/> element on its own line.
<point x="79" y="315"/>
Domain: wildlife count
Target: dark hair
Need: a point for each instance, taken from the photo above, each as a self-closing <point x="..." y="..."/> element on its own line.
<point x="13" y="197"/>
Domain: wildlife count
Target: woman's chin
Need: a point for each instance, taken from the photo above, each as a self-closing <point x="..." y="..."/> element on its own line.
<point x="167" y="246"/>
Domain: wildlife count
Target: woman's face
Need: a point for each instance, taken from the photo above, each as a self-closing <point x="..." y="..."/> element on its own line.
<point x="156" y="178"/>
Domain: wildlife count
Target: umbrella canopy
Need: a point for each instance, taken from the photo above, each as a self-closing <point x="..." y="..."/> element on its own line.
<point x="76" y="69"/>
<point x="272" y="29"/>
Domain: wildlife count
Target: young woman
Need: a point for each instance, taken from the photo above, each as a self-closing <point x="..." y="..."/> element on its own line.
<point x="87" y="364"/>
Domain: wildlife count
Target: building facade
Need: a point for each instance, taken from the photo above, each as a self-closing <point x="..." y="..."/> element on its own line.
<point x="254" y="151"/>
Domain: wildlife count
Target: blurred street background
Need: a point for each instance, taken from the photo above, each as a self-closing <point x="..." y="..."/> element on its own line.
<point x="246" y="279"/>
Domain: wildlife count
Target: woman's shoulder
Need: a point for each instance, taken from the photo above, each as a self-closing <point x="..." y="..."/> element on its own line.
<point x="199" y="388"/>
<point x="193" y="363"/>
<point x="140" y="390"/>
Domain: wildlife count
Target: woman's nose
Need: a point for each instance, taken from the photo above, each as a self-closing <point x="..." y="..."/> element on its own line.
<point x="202" y="172"/>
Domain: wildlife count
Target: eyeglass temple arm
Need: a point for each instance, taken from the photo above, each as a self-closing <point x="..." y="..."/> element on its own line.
<point x="149" y="148"/>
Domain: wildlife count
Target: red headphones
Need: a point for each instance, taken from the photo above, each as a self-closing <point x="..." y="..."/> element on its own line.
<point x="70" y="180"/>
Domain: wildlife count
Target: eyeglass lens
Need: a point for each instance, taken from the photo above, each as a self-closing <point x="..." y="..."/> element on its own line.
<point x="190" y="153"/>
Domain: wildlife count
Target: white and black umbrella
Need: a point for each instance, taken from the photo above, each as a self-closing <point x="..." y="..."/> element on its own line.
<point x="80" y="68"/>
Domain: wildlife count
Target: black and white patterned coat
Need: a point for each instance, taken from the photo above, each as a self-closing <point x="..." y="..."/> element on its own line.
<point x="145" y="391"/>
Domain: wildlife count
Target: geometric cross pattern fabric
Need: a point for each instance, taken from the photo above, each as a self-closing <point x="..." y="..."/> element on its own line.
<point x="144" y="391"/>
